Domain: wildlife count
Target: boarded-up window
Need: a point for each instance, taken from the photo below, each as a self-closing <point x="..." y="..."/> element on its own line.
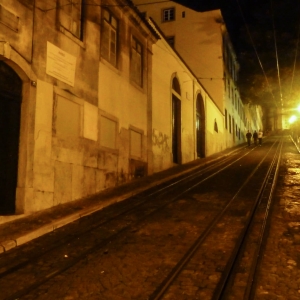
<point x="135" y="143"/>
<point x="9" y="19"/>
<point x="90" y="121"/>
<point x="70" y="16"/>
<point x="67" y="117"/>
<point x="109" y="37"/>
<point x="108" y="129"/>
<point x="136" y="62"/>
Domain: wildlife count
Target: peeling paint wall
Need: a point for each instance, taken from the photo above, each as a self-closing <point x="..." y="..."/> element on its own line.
<point x="87" y="124"/>
<point x="84" y="128"/>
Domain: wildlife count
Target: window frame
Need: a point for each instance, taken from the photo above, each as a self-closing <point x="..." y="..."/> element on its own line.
<point x="136" y="61"/>
<point x="64" y="14"/>
<point x="168" y="14"/>
<point x="110" y="26"/>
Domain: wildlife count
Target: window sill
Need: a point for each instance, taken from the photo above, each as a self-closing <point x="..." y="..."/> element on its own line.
<point x="140" y="88"/>
<point x="109" y="65"/>
<point x="71" y="36"/>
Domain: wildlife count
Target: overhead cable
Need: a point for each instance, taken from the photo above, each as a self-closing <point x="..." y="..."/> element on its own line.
<point x="276" y="52"/>
<point x="295" y="60"/>
<point x="257" y="56"/>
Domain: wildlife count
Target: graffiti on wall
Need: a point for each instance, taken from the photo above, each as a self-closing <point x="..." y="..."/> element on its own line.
<point x="160" y="140"/>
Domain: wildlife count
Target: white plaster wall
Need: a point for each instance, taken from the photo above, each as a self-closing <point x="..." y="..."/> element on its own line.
<point x="162" y="107"/>
<point x="198" y="39"/>
<point x="165" y="65"/>
<point x="121" y="99"/>
<point x="215" y="141"/>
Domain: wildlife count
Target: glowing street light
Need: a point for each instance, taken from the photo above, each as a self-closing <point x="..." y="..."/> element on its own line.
<point x="292" y="119"/>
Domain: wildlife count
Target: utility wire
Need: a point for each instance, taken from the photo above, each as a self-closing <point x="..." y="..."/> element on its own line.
<point x="296" y="54"/>
<point x="276" y="52"/>
<point x="253" y="45"/>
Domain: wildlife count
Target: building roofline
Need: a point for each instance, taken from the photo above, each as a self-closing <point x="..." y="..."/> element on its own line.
<point x="142" y="17"/>
<point x="200" y="5"/>
<point x="156" y="27"/>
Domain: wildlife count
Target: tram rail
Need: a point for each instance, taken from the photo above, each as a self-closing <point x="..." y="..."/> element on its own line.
<point x="182" y="265"/>
<point x="251" y="242"/>
<point x="100" y="234"/>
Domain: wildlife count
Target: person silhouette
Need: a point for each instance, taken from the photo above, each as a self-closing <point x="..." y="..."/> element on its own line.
<point x="248" y="136"/>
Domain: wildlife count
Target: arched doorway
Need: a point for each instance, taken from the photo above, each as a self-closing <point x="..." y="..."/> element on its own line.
<point x="176" y="121"/>
<point x="200" y="127"/>
<point x="10" y="110"/>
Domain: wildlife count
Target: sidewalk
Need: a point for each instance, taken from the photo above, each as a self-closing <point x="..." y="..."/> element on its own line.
<point x="19" y="229"/>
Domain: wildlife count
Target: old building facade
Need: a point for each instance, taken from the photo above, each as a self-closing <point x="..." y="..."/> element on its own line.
<point x="92" y="95"/>
<point x="186" y="123"/>
<point x="196" y="36"/>
<point x="75" y="83"/>
<point x="201" y="39"/>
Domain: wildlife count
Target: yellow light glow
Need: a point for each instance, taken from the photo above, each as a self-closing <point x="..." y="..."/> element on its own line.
<point x="292" y="119"/>
<point x="298" y="108"/>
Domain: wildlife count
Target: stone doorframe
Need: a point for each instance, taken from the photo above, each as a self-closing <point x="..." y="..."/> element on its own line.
<point x="14" y="60"/>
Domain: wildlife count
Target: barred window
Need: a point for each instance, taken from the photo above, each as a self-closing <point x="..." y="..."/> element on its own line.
<point x="70" y="16"/>
<point x="136" y="61"/>
<point x="109" y="38"/>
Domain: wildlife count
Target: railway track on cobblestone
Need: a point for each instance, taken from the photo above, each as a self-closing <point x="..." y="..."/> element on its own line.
<point x="239" y="279"/>
<point x="235" y="278"/>
<point x="96" y="233"/>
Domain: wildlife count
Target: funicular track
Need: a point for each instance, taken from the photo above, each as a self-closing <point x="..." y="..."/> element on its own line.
<point x="109" y="228"/>
<point x="246" y="257"/>
<point x="248" y="242"/>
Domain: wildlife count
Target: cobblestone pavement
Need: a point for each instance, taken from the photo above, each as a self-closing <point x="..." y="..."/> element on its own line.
<point x="106" y="276"/>
<point x="19" y="229"/>
<point x="280" y="270"/>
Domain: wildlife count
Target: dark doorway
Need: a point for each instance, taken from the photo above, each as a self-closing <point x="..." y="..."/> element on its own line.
<point x="176" y="121"/>
<point x="200" y="127"/>
<point x="10" y="110"/>
<point x="176" y="130"/>
<point x="233" y="130"/>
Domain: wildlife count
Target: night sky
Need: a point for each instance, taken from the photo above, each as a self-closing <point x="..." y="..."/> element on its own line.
<point x="265" y="35"/>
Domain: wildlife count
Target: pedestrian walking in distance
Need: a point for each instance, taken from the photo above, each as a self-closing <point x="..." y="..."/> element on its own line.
<point x="255" y="137"/>
<point x="248" y="136"/>
<point x="260" y="135"/>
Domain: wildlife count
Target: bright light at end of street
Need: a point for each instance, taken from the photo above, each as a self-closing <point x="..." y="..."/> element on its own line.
<point x="292" y="119"/>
